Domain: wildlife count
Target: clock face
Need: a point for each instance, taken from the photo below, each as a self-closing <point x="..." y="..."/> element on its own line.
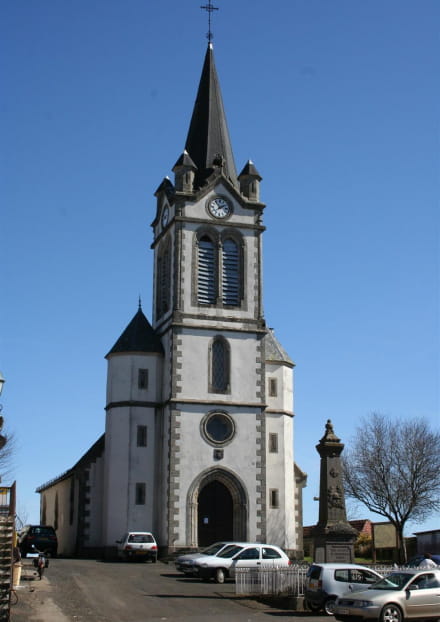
<point x="165" y="217"/>
<point x="219" y="207"/>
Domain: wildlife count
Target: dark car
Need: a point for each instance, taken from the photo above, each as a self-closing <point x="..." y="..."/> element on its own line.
<point x="34" y="538"/>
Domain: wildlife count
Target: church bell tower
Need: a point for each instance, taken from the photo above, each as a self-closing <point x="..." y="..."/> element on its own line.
<point x="225" y="462"/>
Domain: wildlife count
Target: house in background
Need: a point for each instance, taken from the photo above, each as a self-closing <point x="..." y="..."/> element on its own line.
<point x="428" y="541"/>
<point x="364" y="546"/>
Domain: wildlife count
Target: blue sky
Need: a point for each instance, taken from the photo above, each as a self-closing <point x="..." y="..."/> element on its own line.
<point x="336" y="102"/>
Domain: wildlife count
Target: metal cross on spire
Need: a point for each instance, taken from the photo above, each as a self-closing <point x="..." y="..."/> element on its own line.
<point x="209" y="8"/>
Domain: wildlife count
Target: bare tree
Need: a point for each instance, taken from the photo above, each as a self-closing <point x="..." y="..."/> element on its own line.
<point x="393" y="468"/>
<point x="7" y="453"/>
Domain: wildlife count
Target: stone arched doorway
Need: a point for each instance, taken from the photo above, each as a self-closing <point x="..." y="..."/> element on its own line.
<point x="217" y="508"/>
<point x="214" y="514"/>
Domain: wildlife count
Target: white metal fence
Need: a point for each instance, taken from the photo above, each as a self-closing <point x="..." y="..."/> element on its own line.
<point x="279" y="581"/>
<point x="271" y="581"/>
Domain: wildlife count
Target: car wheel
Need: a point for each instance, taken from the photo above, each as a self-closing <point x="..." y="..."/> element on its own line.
<point x="329" y="606"/>
<point x="391" y="613"/>
<point x="220" y="575"/>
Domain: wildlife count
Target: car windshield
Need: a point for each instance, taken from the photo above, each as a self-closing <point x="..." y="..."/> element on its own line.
<point x="140" y="537"/>
<point x="43" y="531"/>
<point x="213" y="549"/>
<point x="230" y="551"/>
<point x="394" y="581"/>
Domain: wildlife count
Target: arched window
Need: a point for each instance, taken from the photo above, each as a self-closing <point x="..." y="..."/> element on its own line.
<point x="230" y="272"/>
<point x="206" y="273"/>
<point x="163" y="284"/>
<point x="218" y="268"/>
<point x="220" y="365"/>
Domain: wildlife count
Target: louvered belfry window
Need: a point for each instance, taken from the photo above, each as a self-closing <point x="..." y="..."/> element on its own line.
<point x="231" y="273"/>
<point x="163" y="279"/>
<point x="219" y="365"/>
<point x="207" y="282"/>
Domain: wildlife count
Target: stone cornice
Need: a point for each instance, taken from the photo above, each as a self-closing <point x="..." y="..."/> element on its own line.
<point x="132" y="403"/>
<point x="216" y="403"/>
<point x="287" y="413"/>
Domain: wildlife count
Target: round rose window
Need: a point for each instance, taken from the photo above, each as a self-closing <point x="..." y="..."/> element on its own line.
<point x="218" y="428"/>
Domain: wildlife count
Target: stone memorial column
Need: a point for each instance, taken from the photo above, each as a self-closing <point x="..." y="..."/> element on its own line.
<point x="334" y="537"/>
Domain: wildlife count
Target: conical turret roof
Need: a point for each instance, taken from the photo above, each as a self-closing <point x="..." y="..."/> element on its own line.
<point x="274" y="350"/>
<point x="208" y="135"/>
<point x="250" y="170"/>
<point x="139" y="336"/>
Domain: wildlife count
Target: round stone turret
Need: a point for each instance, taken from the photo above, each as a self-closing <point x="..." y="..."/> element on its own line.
<point x="249" y="179"/>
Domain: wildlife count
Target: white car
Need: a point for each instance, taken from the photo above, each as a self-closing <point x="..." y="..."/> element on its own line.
<point x="186" y="563"/>
<point x="247" y="555"/>
<point x="139" y="545"/>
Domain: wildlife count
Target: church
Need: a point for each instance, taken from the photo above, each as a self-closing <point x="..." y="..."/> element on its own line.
<point x="198" y="441"/>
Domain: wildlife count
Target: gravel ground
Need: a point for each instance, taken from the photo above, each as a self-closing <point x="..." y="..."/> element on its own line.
<point x="77" y="590"/>
<point x="34" y="599"/>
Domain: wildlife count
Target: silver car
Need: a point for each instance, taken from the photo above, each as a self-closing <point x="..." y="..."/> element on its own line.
<point x="186" y="563"/>
<point x="326" y="581"/>
<point x="402" y="595"/>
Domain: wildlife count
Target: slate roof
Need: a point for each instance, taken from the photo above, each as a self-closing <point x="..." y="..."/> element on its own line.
<point x="250" y="170"/>
<point x="184" y="160"/>
<point x="165" y="185"/>
<point x="274" y="351"/>
<point x="91" y="455"/>
<point x="208" y="134"/>
<point x="139" y="336"/>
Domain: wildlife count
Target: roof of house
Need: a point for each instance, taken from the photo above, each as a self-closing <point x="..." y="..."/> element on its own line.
<point x="363" y="525"/>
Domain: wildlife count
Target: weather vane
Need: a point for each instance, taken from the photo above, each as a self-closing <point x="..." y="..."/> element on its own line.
<point x="209" y="8"/>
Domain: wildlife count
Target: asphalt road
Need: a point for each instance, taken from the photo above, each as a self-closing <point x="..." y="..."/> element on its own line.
<point x="75" y="590"/>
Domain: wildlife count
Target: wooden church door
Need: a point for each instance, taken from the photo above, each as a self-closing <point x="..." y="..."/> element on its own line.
<point x="215" y="515"/>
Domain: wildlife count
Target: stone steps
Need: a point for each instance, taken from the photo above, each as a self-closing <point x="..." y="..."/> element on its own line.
<point x="6" y="543"/>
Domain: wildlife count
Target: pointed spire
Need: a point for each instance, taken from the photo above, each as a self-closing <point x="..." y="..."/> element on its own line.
<point x="208" y="141"/>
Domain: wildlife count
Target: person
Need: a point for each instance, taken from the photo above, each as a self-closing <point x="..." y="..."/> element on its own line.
<point x="428" y="562"/>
